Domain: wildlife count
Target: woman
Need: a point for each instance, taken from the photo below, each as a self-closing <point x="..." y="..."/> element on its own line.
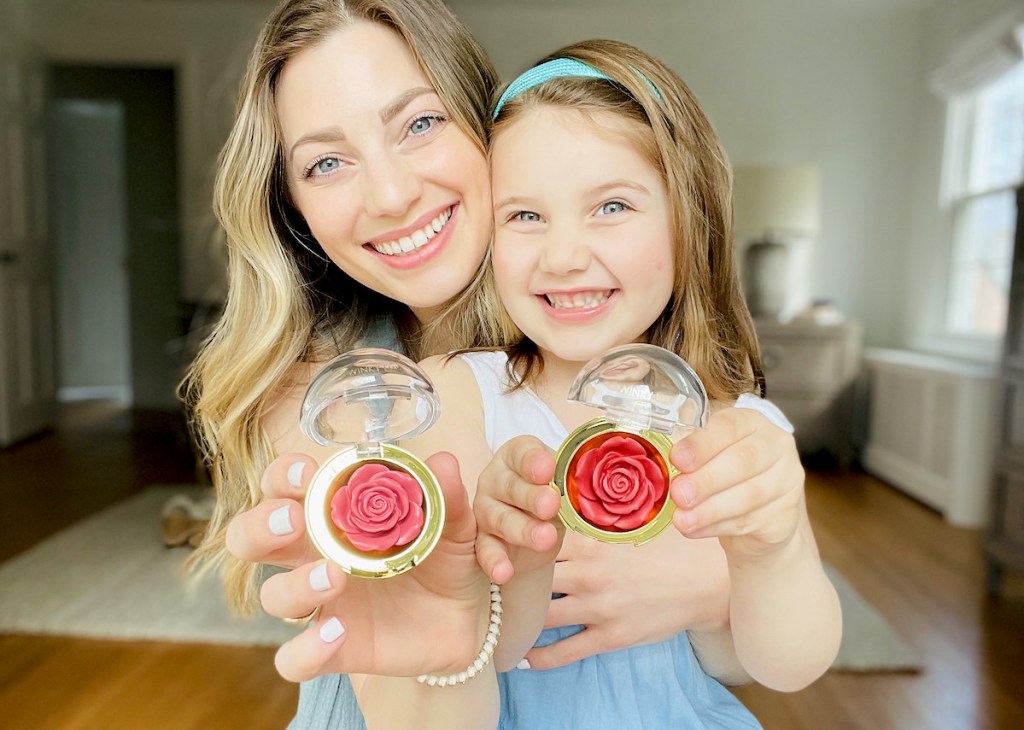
<point x="360" y="124"/>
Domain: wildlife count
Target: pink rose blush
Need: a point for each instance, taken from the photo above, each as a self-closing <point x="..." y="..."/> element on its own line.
<point x="379" y="508"/>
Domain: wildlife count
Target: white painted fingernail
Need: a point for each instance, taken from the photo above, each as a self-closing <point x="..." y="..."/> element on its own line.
<point x="295" y="473"/>
<point x="331" y="630"/>
<point x="318" y="579"/>
<point x="524" y="664"/>
<point x="280" y="521"/>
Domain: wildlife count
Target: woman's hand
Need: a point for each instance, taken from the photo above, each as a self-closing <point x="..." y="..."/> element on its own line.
<point x="274" y="531"/>
<point x="430" y="619"/>
<point x="741" y="481"/>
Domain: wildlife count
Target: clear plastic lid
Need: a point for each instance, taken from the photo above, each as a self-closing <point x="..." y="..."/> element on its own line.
<point x="368" y="395"/>
<point x="643" y="387"/>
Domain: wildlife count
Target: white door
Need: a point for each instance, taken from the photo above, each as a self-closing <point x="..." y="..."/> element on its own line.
<point x="27" y="358"/>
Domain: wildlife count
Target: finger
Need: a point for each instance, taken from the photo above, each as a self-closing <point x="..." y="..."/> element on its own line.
<point x="566" y="611"/>
<point x="298" y="592"/>
<point x="460" y="523"/>
<point x="513" y="526"/>
<point x="305" y="656"/>
<point x="271" y="532"/>
<point x="542" y="501"/>
<point x="568" y="650"/>
<point x="726" y="427"/>
<point x="734" y="511"/>
<point x="528" y="458"/>
<point x="288" y="476"/>
<point x="753" y="455"/>
<point x="492" y="555"/>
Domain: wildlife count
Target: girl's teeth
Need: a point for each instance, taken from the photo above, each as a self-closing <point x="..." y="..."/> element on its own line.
<point x="407" y="244"/>
<point x="587" y="300"/>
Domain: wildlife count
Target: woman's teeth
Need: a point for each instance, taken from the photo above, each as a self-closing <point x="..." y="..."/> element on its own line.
<point x="407" y="244"/>
<point x="578" y="300"/>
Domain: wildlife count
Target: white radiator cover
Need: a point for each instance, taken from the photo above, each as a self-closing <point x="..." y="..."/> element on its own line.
<point x="931" y="430"/>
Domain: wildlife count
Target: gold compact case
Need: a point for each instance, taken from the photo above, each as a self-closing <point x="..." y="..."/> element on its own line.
<point x="373" y="508"/>
<point x="613" y="473"/>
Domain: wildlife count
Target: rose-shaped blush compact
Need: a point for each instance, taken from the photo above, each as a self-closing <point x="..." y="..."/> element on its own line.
<point x="613" y="473"/>
<point x="373" y="508"/>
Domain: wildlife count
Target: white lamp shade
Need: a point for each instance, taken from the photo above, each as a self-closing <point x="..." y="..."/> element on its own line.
<point x="780" y="199"/>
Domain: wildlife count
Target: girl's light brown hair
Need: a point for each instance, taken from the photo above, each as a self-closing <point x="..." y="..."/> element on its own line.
<point x="706" y="321"/>
<point x="286" y="301"/>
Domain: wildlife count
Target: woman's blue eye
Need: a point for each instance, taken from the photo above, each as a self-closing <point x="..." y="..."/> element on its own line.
<point x="525" y="215"/>
<point x="615" y="206"/>
<point x="323" y="166"/>
<point x="422" y="125"/>
<point x="328" y="165"/>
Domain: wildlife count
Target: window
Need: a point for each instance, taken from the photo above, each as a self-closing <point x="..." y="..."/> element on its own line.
<point x="984" y="166"/>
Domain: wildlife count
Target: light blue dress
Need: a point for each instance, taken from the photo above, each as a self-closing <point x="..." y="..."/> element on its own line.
<point x="651" y="687"/>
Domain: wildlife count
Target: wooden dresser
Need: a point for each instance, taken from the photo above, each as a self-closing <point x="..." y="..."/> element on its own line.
<point x="811" y="371"/>
<point x="1005" y="543"/>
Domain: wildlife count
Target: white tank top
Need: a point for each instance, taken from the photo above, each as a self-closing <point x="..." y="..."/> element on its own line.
<point x="510" y="414"/>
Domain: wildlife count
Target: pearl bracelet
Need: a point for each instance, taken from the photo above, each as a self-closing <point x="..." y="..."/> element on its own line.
<point x="482" y="659"/>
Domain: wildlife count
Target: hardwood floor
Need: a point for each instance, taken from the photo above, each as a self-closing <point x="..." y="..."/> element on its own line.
<point x="922" y="574"/>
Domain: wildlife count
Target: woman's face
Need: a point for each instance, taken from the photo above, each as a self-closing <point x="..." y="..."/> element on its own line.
<point x="395" y="192"/>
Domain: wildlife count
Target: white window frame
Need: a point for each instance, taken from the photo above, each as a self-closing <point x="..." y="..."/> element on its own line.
<point x="962" y="113"/>
<point x="978" y="61"/>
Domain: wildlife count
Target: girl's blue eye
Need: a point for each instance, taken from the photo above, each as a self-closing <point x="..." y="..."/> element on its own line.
<point x="424" y="124"/>
<point x="527" y="216"/>
<point x="614" y="206"/>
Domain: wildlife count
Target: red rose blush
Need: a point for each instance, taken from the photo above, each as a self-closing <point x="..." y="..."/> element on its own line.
<point x="617" y="483"/>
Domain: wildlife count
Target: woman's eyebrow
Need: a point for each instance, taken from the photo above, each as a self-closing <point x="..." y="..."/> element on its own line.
<point x="391" y="110"/>
<point x="387" y="113"/>
<point x="329" y="134"/>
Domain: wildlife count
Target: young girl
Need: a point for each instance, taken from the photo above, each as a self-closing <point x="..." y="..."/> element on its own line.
<point x="612" y="225"/>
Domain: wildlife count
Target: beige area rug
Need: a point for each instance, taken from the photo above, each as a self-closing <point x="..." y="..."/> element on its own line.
<point x="111" y="577"/>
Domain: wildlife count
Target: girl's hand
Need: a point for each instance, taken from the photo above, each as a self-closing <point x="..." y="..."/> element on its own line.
<point x="516" y="511"/>
<point x="623" y="595"/>
<point x="741" y="481"/>
<point x="430" y="619"/>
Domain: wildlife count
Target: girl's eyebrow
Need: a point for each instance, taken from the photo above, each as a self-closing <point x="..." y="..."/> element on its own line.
<point x="593" y="192"/>
<point x="615" y="184"/>
<point x="513" y="200"/>
<point x="388" y="112"/>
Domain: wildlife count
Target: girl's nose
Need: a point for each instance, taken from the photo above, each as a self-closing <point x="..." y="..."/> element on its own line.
<point x="392" y="186"/>
<point x="565" y="251"/>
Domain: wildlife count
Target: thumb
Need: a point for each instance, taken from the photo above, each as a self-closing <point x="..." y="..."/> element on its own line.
<point x="460" y="524"/>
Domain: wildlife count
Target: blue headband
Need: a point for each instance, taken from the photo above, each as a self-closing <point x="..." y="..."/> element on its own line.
<point x="557" y="68"/>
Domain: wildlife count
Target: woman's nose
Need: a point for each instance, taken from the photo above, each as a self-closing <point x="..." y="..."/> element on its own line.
<point x="392" y="186"/>
<point x="565" y="250"/>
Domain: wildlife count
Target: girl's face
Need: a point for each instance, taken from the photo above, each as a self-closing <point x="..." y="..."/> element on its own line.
<point x="583" y="245"/>
<point x="395" y="192"/>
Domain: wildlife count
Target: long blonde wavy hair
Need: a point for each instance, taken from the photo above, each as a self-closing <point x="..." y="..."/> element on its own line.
<point x="286" y="301"/>
<point x="706" y="320"/>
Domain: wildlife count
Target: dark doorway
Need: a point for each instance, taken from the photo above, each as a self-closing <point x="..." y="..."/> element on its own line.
<point x="113" y="182"/>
